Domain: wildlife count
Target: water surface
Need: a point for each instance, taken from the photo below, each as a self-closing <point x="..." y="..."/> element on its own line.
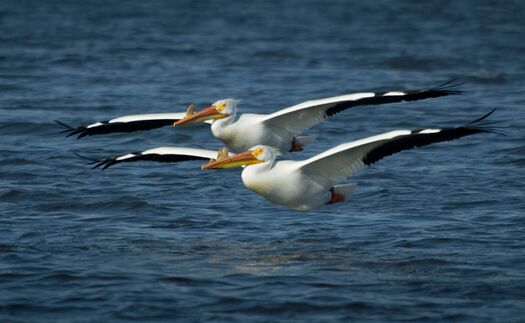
<point x="430" y="234"/>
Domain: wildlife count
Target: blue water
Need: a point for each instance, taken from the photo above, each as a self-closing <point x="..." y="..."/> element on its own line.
<point x="431" y="234"/>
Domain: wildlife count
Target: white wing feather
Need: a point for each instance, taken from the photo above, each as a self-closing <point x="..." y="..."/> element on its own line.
<point x="182" y="151"/>
<point x="342" y="161"/>
<point x="160" y="154"/>
<point x="150" y="116"/>
<point x="301" y="117"/>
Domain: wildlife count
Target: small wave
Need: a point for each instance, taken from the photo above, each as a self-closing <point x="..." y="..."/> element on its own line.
<point x="12" y="88"/>
<point x="60" y="277"/>
<point x="25" y="128"/>
<point x="425" y="242"/>
<point x="327" y="285"/>
<point x="186" y="281"/>
<point x="6" y="248"/>
<point x="13" y="276"/>
<point x="468" y="204"/>
<point x="115" y="204"/>
<point x="11" y="195"/>
<point x="76" y="60"/>
<point x="17" y="162"/>
<point x="299" y="307"/>
<point x="411" y="63"/>
<point x="486" y="78"/>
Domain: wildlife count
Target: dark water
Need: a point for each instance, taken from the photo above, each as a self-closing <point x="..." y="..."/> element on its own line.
<point x="431" y="234"/>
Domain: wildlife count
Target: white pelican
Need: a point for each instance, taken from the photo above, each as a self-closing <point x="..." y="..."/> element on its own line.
<point x="280" y="129"/>
<point x="307" y="184"/>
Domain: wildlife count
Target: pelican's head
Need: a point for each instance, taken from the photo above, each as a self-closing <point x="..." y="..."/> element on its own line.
<point x="218" y="110"/>
<point x="255" y="155"/>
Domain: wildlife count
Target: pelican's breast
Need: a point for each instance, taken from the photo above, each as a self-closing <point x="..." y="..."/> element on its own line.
<point x="245" y="133"/>
<point x="284" y="185"/>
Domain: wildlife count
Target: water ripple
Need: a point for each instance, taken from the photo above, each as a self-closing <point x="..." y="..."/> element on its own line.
<point x="431" y="234"/>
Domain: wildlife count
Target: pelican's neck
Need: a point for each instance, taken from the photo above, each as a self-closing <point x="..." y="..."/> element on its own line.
<point x="259" y="168"/>
<point x="224" y="122"/>
<point x="219" y="127"/>
<point x="254" y="176"/>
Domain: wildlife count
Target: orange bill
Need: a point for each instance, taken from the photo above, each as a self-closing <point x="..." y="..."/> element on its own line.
<point x="245" y="158"/>
<point x="208" y="113"/>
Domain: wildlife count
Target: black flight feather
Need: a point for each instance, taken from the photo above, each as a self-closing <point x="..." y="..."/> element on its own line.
<point x="106" y="127"/>
<point x="444" y="89"/>
<point x="417" y="139"/>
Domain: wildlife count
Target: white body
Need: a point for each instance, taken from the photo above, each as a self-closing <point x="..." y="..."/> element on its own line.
<point x="285" y="184"/>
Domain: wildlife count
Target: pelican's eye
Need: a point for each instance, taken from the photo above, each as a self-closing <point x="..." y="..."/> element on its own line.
<point x="220" y="107"/>
<point x="257" y="152"/>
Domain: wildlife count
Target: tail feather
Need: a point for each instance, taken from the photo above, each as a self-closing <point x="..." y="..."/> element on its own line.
<point x="305" y="140"/>
<point x="345" y="190"/>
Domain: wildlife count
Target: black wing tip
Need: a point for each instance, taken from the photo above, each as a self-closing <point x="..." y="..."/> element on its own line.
<point x="72" y="131"/>
<point x="108" y="163"/>
<point x="449" y="87"/>
<point x="445" y="92"/>
<point x="104" y="163"/>
<point x="84" y="157"/>
<point x="82" y="133"/>
<point x="452" y="83"/>
<point x="65" y="125"/>
<point x="481" y="126"/>
<point x="96" y="163"/>
<point x="478" y="120"/>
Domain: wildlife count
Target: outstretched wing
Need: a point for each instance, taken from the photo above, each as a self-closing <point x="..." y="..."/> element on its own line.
<point x="301" y="117"/>
<point x="124" y="124"/>
<point x="342" y="161"/>
<point x="160" y="154"/>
